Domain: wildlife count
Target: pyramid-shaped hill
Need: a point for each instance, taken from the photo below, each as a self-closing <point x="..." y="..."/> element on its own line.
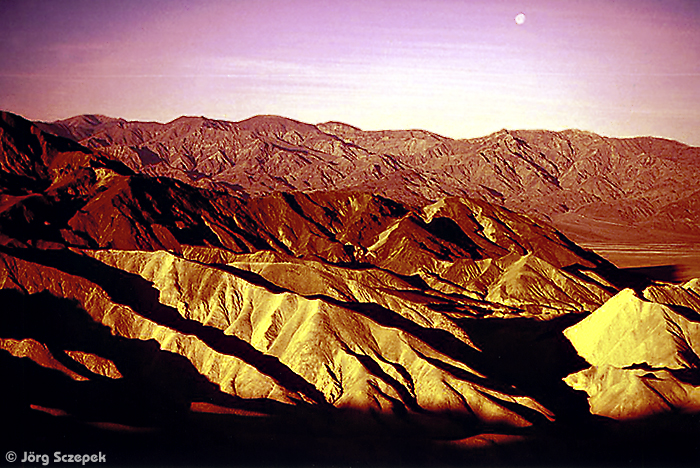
<point x="643" y="351"/>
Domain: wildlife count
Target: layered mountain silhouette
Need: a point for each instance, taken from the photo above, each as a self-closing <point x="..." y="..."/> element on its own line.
<point x="590" y="187"/>
<point x="274" y="292"/>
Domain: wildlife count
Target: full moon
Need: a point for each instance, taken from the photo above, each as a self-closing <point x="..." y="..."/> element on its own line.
<point x="520" y="18"/>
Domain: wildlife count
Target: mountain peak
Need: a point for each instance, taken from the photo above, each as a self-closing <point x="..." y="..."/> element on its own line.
<point x="89" y="119"/>
<point x="275" y="124"/>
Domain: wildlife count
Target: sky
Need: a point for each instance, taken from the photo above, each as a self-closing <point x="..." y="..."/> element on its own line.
<point x="459" y="68"/>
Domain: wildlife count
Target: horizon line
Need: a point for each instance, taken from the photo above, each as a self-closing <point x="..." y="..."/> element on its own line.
<point x="523" y="129"/>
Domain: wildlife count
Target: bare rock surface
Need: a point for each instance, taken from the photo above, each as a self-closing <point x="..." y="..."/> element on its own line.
<point x="147" y="298"/>
<point x="643" y="352"/>
<point x="593" y="188"/>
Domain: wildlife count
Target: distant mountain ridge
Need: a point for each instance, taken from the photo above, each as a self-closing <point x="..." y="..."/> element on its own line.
<point x="590" y="187"/>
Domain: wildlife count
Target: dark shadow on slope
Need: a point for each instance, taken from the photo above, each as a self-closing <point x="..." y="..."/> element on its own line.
<point x="290" y="199"/>
<point x="534" y="356"/>
<point x="415" y="281"/>
<point x="251" y="277"/>
<point x="448" y="230"/>
<point x="440" y="340"/>
<point x="667" y="273"/>
<point x="143" y="298"/>
<point x="39" y="217"/>
<point x="143" y="419"/>
<point x="16" y="185"/>
<point x="577" y="270"/>
<point x="152" y="398"/>
<point x="690" y="372"/>
<point x="156" y="385"/>
<point x="408" y="400"/>
<point x="303" y="437"/>
<point x="132" y="290"/>
<point x="111" y="164"/>
<point x="619" y="278"/>
<point x="146" y="155"/>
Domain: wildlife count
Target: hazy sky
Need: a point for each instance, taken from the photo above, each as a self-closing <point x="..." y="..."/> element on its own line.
<point x="456" y="67"/>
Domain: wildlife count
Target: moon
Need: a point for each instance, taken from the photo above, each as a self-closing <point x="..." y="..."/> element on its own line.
<point x="520" y="18"/>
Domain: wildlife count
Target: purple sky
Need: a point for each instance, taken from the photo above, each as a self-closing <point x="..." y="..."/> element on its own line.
<point x="459" y="68"/>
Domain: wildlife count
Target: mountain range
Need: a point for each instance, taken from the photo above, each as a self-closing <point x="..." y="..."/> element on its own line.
<point x="272" y="292"/>
<point x="589" y="187"/>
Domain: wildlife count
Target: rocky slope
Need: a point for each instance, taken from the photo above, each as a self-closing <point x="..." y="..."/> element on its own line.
<point x="643" y="351"/>
<point x="588" y="186"/>
<point x="149" y="310"/>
